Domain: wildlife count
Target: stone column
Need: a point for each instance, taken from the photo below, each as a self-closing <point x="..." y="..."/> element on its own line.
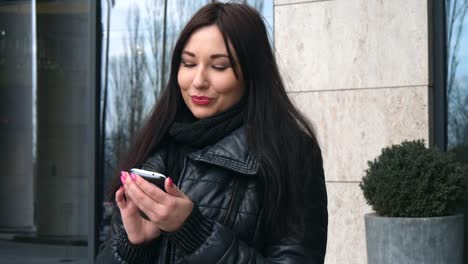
<point x="64" y="136"/>
<point x="16" y="120"/>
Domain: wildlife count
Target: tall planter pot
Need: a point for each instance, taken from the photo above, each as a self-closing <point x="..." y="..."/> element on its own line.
<point x="432" y="240"/>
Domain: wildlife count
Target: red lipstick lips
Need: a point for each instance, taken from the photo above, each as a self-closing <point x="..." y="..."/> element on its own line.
<point x="201" y="100"/>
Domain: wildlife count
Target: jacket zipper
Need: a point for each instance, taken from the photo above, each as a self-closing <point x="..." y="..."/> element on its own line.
<point x="179" y="185"/>
<point x="234" y="197"/>
<point x="179" y="181"/>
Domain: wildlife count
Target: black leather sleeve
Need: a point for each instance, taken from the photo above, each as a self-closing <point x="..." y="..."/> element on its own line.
<point x="117" y="249"/>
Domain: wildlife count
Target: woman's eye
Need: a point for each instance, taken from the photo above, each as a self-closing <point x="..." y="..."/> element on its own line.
<point x="188" y="65"/>
<point x="220" y="67"/>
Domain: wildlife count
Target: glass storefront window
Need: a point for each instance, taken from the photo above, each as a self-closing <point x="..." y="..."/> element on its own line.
<point x="456" y="14"/>
<point x="140" y="35"/>
<point x="457" y="77"/>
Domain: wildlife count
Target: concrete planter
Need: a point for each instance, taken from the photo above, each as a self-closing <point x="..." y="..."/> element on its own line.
<point x="437" y="240"/>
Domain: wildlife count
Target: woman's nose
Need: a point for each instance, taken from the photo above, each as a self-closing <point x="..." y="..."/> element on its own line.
<point x="200" y="81"/>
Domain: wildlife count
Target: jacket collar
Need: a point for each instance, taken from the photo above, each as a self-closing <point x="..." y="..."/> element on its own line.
<point x="231" y="152"/>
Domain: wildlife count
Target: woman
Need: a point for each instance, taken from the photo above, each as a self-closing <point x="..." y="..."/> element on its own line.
<point x="246" y="177"/>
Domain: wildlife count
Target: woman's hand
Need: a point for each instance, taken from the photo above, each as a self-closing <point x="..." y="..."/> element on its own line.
<point x="167" y="210"/>
<point x="138" y="229"/>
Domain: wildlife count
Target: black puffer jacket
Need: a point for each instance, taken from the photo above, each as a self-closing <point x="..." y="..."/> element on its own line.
<point x="226" y="225"/>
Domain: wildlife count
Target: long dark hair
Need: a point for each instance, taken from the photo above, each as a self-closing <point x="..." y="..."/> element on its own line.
<point x="277" y="133"/>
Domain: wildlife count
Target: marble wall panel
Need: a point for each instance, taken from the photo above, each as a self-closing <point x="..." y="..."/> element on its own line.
<point x="354" y="125"/>
<point x="350" y="44"/>
<point x="346" y="232"/>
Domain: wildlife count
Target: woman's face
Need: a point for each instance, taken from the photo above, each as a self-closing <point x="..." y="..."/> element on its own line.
<point x="206" y="77"/>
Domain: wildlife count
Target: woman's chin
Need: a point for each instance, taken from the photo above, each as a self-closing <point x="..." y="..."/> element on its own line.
<point x="202" y="113"/>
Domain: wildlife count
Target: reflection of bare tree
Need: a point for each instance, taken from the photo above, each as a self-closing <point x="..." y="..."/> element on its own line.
<point x="458" y="111"/>
<point x="456" y="12"/>
<point x="457" y="86"/>
<point x="119" y="117"/>
<point x="179" y="13"/>
<point x="155" y="22"/>
<point x="127" y="85"/>
<point x="135" y="62"/>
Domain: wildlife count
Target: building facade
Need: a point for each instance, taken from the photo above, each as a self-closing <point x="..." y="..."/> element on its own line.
<point x="367" y="73"/>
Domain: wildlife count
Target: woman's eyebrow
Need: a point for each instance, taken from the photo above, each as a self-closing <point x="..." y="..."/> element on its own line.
<point x="188" y="53"/>
<point x="213" y="56"/>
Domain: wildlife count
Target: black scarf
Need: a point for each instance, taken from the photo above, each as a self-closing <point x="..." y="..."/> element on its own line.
<point x="186" y="137"/>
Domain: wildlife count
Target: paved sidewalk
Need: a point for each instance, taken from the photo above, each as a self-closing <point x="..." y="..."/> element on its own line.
<point x="12" y="252"/>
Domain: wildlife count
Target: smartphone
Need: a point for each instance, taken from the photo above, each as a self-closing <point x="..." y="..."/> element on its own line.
<point x="155" y="178"/>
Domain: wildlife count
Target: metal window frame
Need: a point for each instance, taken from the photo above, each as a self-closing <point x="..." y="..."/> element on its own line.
<point x="438" y="73"/>
<point x="94" y="84"/>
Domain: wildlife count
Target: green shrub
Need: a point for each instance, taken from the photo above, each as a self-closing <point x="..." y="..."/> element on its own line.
<point x="410" y="180"/>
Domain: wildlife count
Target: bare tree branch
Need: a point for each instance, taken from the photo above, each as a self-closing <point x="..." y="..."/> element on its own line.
<point x="153" y="64"/>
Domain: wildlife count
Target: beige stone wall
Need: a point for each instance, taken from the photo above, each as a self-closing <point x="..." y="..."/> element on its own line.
<point x="359" y="69"/>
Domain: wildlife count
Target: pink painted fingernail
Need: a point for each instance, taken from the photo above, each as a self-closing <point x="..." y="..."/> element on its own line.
<point x="133" y="176"/>
<point x="170" y="181"/>
<point x="123" y="175"/>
